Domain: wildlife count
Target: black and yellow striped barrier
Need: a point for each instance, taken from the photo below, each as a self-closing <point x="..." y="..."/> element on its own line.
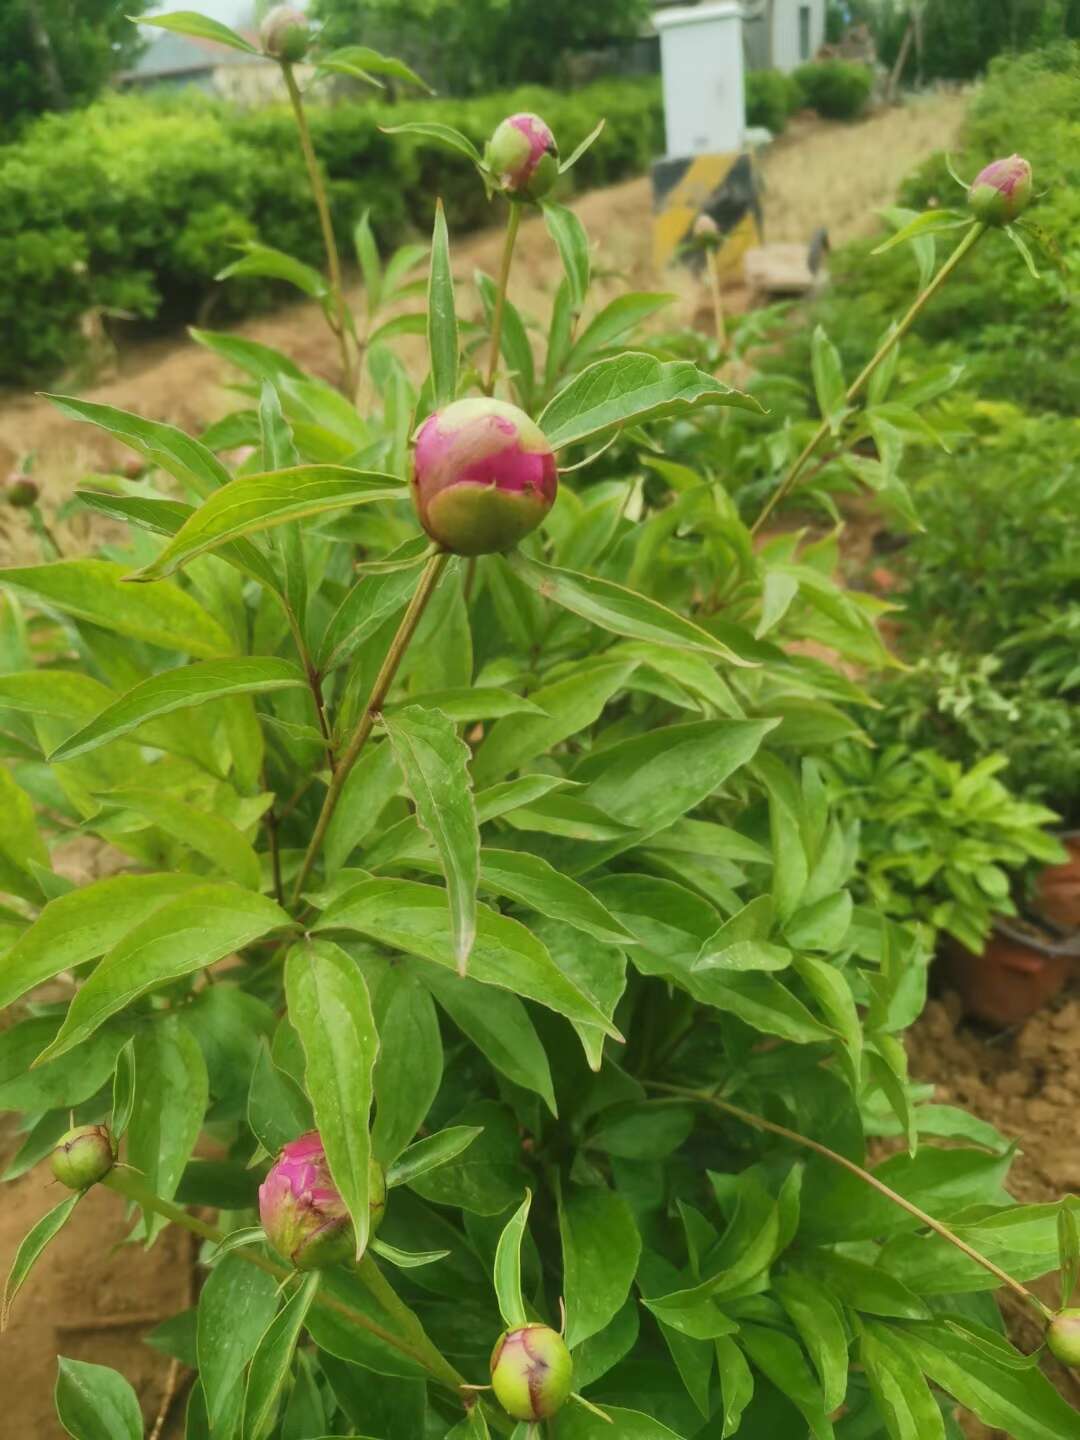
<point x="725" y="187"/>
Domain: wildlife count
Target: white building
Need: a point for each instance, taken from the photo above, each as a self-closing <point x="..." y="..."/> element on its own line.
<point x="782" y="34"/>
<point x="777" y="34"/>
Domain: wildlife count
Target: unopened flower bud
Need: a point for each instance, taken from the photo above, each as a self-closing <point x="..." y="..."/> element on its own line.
<point x="706" y="228"/>
<point x="1001" y="192"/>
<point x="1063" y="1337"/>
<point x="531" y="1372"/>
<point x="524" y="157"/>
<point x="133" y="468"/>
<point x="301" y="1209"/>
<point x="285" y="34"/>
<point x="83" y="1156"/>
<point x="20" y="491"/>
<point x="484" y="476"/>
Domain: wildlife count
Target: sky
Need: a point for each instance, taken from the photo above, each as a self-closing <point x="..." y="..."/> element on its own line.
<point x="229" y="12"/>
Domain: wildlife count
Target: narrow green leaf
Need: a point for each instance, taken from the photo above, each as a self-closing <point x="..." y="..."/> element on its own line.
<point x="330" y="1007"/>
<point x="779" y="1358"/>
<point x="30" y="1249"/>
<point x="408" y="1259"/>
<point x="95" y="1403"/>
<point x="259" y="502"/>
<point x="205" y="833"/>
<point x="442" y="316"/>
<point x="171" y="1094"/>
<point x="182" y="688"/>
<point x="430" y="1153"/>
<point x="632" y="389"/>
<point x="572" y="243"/>
<point x="275" y="264"/>
<point x="615" y="321"/>
<point x="575" y="1423"/>
<point x="367" y="256"/>
<point x="928" y="223"/>
<point x="272" y="1360"/>
<point x="236" y="1305"/>
<point x="261" y="362"/>
<point x="1068" y="1251"/>
<point x="820" y="1324"/>
<point x="365" y="64"/>
<point x="532" y="882"/>
<point x="508" y="1266"/>
<point x="829" y="386"/>
<point x="600" y="1249"/>
<point x="586" y="144"/>
<point x="190" y="22"/>
<point x="123" y="1099"/>
<point x="435" y="764"/>
<point x="444" y="135"/>
<point x="736" y="1383"/>
<point x="277" y="1109"/>
<point x="412" y="917"/>
<point x="82" y="925"/>
<point x="903" y="1397"/>
<point x="617" y="609"/>
<point x="409" y="1069"/>
<point x="164" y="446"/>
<point x="185" y="934"/>
<point x="97" y="591"/>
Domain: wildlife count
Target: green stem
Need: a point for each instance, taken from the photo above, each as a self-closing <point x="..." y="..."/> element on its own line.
<point x="376" y="1283"/>
<point x="713" y="264"/>
<point x="748" y="1118"/>
<point x="133" y="1186"/>
<point x="513" y="225"/>
<point x="314" y="681"/>
<point x="884" y="350"/>
<point x="339" y="325"/>
<point x="429" y="579"/>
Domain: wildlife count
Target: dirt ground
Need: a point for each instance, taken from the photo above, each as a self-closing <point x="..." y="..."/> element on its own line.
<point x="94" y="1302"/>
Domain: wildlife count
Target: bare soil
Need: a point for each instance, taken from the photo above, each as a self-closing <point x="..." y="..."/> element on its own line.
<point x="94" y="1298"/>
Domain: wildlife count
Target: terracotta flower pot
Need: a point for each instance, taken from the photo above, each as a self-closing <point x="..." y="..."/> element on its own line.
<point x="1010" y="980"/>
<point x="1058" y="895"/>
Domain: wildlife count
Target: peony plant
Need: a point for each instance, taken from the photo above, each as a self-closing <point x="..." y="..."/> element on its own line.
<point x="476" y="971"/>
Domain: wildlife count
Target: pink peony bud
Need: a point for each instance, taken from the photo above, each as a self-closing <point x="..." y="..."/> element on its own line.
<point x="285" y="34"/>
<point x="303" y="1214"/>
<point x="1063" y="1337"/>
<point x="524" y="157"/>
<point x="484" y="476"/>
<point x="1001" y="192"/>
<point x="83" y="1156"/>
<point x="20" y="491"/>
<point x="531" y="1372"/>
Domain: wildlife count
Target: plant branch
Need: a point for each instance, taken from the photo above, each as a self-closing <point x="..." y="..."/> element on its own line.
<point x="314" y="681"/>
<point x="339" y="324"/>
<point x="748" y="1118"/>
<point x="429" y="579"/>
<point x="884" y="350"/>
<point x="512" y="227"/>
<point x="133" y="1186"/>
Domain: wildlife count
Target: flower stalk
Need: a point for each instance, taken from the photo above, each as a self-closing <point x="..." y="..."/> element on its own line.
<point x="513" y="225"/>
<point x="428" y="582"/>
<point x="339" y="319"/>
<point x="966" y="245"/>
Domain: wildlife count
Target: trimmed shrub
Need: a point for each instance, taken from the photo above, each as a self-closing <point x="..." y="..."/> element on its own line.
<point x="836" y="89"/>
<point x="771" y="96"/>
<point x="135" y="204"/>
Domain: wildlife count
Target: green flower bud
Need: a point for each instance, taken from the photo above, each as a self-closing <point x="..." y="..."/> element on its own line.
<point x="20" y="491"/>
<point x="83" y="1156"/>
<point x="531" y="1372"/>
<point x="1001" y="192"/>
<point x="1063" y="1337"/>
<point x="524" y="157"/>
<point x="285" y="34"/>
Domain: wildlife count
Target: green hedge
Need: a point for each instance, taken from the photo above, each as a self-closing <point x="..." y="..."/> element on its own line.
<point x="836" y="89"/>
<point x="771" y="97"/>
<point x="134" y="204"/>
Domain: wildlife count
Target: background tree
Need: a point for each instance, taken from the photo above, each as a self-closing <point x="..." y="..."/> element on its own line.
<point x="467" y="46"/>
<point x="59" y="53"/>
<point x="961" y="37"/>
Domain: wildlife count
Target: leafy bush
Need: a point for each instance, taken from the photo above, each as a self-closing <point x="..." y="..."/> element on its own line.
<point x="836" y="89"/>
<point x="134" y="205"/>
<point x="627" y="1093"/>
<point x="939" y="843"/>
<point x="962" y="37"/>
<point x="771" y="96"/>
